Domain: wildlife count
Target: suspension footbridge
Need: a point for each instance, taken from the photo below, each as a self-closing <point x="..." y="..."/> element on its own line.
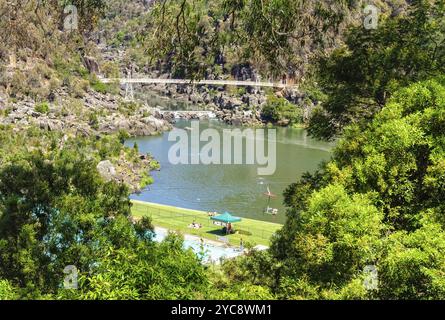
<point x="237" y="83"/>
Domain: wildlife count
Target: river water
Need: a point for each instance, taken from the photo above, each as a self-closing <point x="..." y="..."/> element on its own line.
<point x="237" y="189"/>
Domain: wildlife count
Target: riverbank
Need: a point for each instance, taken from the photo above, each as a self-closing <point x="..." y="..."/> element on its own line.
<point x="234" y="188"/>
<point x="239" y="106"/>
<point x="251" y="231"/>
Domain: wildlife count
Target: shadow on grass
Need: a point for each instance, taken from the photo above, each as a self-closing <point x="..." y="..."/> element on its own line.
<point x="218" y="232"/>
<point x="221" y="232"/>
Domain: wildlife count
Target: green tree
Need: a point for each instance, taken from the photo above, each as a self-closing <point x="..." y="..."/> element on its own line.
<point x="331" y="241"/>
<point x="412" y="264"/>
<point x="151" y="272"/>
<point x="191" y="36"/>
<point x="7" y="291"/>
<point x="88" y="12"/>
<point x="361" y="76"/>
<point x="379" y="201"/>
<point x="56" y="211"/>
<point x="282" y="112"/>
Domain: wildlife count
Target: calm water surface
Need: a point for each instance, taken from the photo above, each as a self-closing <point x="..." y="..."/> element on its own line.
<point x="234" y="188"/>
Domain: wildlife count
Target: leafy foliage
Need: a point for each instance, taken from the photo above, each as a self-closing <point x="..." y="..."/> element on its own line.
<point x="56" y="211"/>
<point x="151" y="271"/>
<point x="379" y="201"/>
<point x="193" y="37"/>
<point x="361" y="76"/>
<point x="7" y="291"/>
<point x="282" y="112"/>
<point x="42" y="107"/>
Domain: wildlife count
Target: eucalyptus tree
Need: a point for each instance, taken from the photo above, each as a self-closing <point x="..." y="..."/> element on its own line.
<point x="57" y="214"/>
<point x="276" y="33"/>
<point x="361" y="76"/>
<point x="379" y="202"/>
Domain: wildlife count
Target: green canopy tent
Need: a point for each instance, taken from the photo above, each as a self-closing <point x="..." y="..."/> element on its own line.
<point x="226" y="218"/>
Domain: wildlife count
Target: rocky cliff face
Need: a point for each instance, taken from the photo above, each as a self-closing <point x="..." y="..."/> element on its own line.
<point x="94" y="114"/>
<point x="238" y="107"/>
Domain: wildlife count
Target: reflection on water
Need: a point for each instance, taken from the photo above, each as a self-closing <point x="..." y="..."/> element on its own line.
<point x="234" y="188"/>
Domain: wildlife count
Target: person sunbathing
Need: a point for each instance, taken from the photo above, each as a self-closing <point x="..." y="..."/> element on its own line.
<point x="195" y="225"/>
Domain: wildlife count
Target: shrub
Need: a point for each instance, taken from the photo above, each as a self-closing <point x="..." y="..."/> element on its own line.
<point x="146" y="180"/>
<point x="78" y="87"/>
<point x="7" y="291"/>
<point x="110" y="70"/>
<point x="93" y="120"/>
<point x="123" y="135"/>
<point x="42" y="107"/>
<point x="281" y="111"/>
<point x="98" y="85"/>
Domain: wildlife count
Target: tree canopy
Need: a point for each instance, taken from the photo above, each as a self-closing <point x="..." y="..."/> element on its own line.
<point x="374" y="203"/>
<point x="57" y="211"/>
<point x="377" y="206"/>
<point x="276" y="36"/>
<point x="361" y="76"/>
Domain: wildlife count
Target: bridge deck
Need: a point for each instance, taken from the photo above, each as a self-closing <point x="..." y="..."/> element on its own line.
<point x="199" y="82"/>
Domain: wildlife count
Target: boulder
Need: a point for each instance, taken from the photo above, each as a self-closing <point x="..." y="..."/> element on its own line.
<point x="91" y="64"/>
<point x="106" y="170"/>
<point x="123" y="124"/>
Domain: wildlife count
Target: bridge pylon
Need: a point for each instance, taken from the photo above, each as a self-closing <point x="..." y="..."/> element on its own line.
<point x="129" y="92"/>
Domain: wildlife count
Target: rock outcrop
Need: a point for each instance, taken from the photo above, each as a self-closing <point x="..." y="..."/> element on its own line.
<point x="240" y="106"/>
<point x="106" y="170"/>
<point x="98" y="114"/>
<point x="91" y="64"/>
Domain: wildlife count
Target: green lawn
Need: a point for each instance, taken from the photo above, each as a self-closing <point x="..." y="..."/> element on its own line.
<point x="178" y="219"/>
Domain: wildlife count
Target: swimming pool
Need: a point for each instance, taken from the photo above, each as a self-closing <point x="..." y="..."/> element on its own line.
<point x="212" y="252"/>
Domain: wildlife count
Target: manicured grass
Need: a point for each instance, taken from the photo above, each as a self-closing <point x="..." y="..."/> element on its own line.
<point x="178" y="219"/>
